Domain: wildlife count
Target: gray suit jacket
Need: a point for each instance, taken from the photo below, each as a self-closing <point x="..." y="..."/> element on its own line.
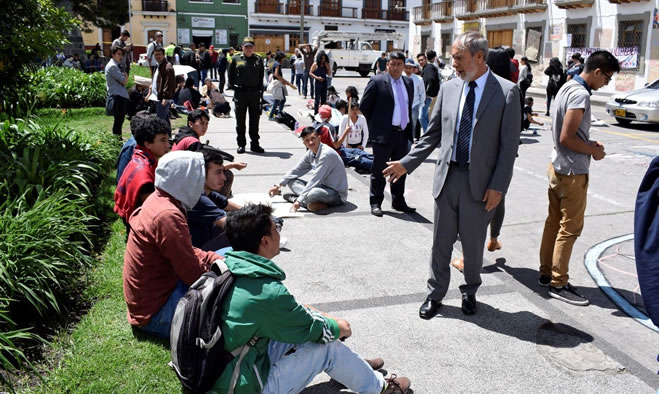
<point x="495" y="136"/>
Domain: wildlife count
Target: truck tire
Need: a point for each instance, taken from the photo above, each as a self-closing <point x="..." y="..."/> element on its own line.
<point x="364" y="70"/>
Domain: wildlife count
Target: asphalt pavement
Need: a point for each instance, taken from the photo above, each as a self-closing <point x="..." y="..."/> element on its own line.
<point x="372" y="271"/>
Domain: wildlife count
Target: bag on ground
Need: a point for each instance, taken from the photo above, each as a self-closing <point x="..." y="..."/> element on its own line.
<point x="286" y="119"/>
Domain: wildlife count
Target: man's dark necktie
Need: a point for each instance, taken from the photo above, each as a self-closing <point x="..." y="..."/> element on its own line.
<point x="464" y="135"/>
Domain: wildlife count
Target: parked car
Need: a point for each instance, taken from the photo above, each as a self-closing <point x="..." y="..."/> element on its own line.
<point x="638" y="105"/>
<point x="142" y="61"/>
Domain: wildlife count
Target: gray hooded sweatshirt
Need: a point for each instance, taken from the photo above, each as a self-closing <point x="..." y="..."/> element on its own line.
<point x="182" y="174"/>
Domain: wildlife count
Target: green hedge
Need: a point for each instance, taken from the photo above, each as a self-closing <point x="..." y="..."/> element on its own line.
<point x="64" y="87"/>
<point x="50" y="179"/>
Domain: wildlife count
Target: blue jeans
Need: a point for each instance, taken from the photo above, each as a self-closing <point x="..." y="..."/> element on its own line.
<point x="424" y="114"/>
<point x="195" y="77"/>
<point x="204" y="74"/>
<point x="357" y="158"/>
<point x="291" y="373"/>
<point x="161" y="322"/>
<point x="298" y="82"/>
<point x="321" y="193"/>
<point x="415" y="120"/>
<point x="306" y="79"/>
<point x="292" y="75"/>
<point x="329" y="81"/>
<point x="277" y="107"/>
<point x="162" y="111"/>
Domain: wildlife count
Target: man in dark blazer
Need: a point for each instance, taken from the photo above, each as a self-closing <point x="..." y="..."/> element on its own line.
<point x="476" y="125"/>
<point x="387" y="106"/>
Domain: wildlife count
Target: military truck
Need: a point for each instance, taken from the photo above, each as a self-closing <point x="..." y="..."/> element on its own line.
<point x="353" y="51"/>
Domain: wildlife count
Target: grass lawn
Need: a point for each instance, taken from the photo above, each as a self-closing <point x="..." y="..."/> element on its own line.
<point x="101" y="353"/>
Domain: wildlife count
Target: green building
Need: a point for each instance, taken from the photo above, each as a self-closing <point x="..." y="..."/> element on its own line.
<point x="221" y="23"/>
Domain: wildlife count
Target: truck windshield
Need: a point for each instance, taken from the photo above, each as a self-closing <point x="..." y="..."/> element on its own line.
<point x="366" y="46"/>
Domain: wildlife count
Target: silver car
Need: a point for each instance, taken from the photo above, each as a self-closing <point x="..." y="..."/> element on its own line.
<point x="638" y="105"/>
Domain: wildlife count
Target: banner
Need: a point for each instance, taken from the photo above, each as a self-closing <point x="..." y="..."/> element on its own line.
<point x="628" y="57"/>
<point x="183" y="36"/>
<point x="220" y="37"/>
<point x="203" y="22"/>
<point x="533" y="45"/>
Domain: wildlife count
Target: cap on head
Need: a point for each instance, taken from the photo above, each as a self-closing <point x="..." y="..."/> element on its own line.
<point x="248" y="41"/>
<point x="325" y="111"/>
<point x="159" y="34"/>
<point x="410" y="62"/>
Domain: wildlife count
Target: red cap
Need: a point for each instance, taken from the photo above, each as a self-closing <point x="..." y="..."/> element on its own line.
<point x="325" y="111"/>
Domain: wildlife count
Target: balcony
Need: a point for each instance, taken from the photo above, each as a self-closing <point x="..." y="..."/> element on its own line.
<point x="387" y="15"/>
<point x="421" y="15"/>
<point x="570" y="4"/>
<point x="442" y="12"/>
<point x="339" y="12"/>
<point x="474" y="9"/>
<point x="154" y="5"/>
<point x="293" y="8"/>
<point x="270" y="7"/>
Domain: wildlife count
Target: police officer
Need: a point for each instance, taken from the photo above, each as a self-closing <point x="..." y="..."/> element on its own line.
<point x="246" y="79"/>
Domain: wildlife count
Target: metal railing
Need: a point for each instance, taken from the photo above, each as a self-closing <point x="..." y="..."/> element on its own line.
<point x="442" y="10"/>
<point x="341" y="12"/>
<point x="269" y="7"/>
<point x="421" y="14"/>
<point x="154" y="5"/>
<point x="388" y="15"/>
<point x="463" y="7"/>
<point x="294" y="9"/>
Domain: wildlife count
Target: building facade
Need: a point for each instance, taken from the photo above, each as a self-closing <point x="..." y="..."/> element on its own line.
<point x="542" y="29"/>
<point x="221" y="23"/>
<point x="275" y="24"/>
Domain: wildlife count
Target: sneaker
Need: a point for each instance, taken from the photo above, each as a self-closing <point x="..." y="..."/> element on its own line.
<point x="257" y="149"/>
<point x="316" y="206"/>
<point x="241" y="149"/>
<point x="396" y="384"/>
<point x="544" y="281"/>
<point x="568" y="294"/>
<point x="289" y="197"/>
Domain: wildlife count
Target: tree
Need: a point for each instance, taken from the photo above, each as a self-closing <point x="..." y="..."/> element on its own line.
<point x="30" y="31"/>
<point x="101" y="13"/>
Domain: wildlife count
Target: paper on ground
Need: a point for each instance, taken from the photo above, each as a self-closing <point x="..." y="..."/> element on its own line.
<point x="281" y="208"/>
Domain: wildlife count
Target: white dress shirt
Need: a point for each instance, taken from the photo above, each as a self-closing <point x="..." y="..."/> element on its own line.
<point x="396" y="118"/>
<point x="480" y="87"/>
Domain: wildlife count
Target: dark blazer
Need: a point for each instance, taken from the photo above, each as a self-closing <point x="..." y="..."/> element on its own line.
<point x="377" y="105"/>
<point x="495" y="136"/>
<point x="166" y="81"/>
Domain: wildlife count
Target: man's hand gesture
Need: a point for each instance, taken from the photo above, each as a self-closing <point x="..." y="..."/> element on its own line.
<point x="394" y="171"/>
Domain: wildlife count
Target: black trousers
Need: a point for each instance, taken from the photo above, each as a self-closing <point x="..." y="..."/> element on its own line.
<point x="222" y="81"/>
<point x="120" y="108"/>
<point x="396" y="149"/>
<point x="244" y="100"/>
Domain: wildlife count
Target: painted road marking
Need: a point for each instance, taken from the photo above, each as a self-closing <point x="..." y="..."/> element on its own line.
<point x="627" y="135"/>
<point x="591" y="265"/>
<point x="592" y="194"/>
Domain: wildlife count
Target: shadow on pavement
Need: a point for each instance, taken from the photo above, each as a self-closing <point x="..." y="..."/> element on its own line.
<point x="529" y="278"/>
<point x="527" y="141"/>
<point x="408" y="217"/>
<point x="281" y="155"/>
<point x="343" y="208"/>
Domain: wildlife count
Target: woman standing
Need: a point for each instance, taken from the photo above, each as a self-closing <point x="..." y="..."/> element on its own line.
<point x="556" y="80"/>
<point x="525" y="76"/>
<point x="319" y="71"/>
<point x="115" y="81"/>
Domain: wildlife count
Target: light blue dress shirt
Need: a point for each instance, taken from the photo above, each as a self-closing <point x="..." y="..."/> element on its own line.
<point x="480" y="87"/>
<point x="395" y="120"/>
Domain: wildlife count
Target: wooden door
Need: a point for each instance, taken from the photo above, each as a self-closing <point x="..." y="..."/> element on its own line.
<point x="330" y="7"/>
<point x="268" y="42"/>
<point x="372" y="9"/>
<point x="500" y="38"/>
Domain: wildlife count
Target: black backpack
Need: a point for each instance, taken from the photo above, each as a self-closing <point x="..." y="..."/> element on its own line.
<point x="196" y="340"/>
<point x="286" y="119"/>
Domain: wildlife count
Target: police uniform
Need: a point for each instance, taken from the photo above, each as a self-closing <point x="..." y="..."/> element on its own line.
<point x="246" y="79"/>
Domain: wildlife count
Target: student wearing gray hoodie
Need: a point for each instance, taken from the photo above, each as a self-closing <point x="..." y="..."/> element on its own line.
<point x="160" y="262"/>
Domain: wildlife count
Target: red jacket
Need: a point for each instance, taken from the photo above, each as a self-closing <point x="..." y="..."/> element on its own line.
<point x="159" y="252"/>
<point x="139" y="172"/>
<point x="514" y="72"/>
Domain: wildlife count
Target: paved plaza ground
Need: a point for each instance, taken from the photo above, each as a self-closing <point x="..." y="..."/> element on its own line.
<point x="372" y="271"/>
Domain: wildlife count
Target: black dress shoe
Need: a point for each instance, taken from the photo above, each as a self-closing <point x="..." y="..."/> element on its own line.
<point x="429" y="308"/>
<point x="257" y="149"/>
<point x="403" y="207"/>
<point x="376" y="210"/>
<point x="469" y="304"/>
<point x="241" y="149"/>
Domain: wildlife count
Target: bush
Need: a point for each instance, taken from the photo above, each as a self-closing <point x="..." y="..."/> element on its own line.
<point x="64" y="87"/>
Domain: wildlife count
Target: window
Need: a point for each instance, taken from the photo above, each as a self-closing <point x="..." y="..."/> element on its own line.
<point x="230" y="1"/>
<point x="446" y="46"/>
<point x="630" y="33"/>
<point x="579" y="33"/>
<point x="331" y="28"/>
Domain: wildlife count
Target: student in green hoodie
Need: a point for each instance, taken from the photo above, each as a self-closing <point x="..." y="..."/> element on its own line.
<point x="295" y="342"/>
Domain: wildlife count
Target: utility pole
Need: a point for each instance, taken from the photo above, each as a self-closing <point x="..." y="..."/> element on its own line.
<point x="302" y="7"/>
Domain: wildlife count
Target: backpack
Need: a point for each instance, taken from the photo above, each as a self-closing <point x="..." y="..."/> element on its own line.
<point x="196" y="340"/>
<point x="286" y="119"/>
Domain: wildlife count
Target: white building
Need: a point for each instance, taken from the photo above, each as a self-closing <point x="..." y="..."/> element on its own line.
<point x="542" y="29"/>
<point x="275" y="24"/>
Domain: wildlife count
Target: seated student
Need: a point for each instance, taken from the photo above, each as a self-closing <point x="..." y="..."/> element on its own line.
<point x="295" y="342"/>
<point x="352" y="93"/>
<point x="160" y="262"/>
<point x="356" y="122"/>
<point x="361" y="160"/>
<point x="136" y="182"/>
<point x="220" y="106"/>
<point x="180" y="84"/>
<point x="528" y="115"/>
<point x="332" y="96"/>
<point x="138" y="99"/>
<point x="206" y="89"/>
<point x="328" y="185"/>
<point x="189" y="93"/>
<point x="342" y="107"/>
<point x="188" y="138"/>
<point x="206" y="219"/>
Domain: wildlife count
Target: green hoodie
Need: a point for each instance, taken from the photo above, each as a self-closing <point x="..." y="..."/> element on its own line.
<point x="260" y="305"/>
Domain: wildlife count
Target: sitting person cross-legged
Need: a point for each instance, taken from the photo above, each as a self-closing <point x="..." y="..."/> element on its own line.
<point x="328" y="185"/>
<point x="160" y="262"/>
<point x="136" y="183"/>
<point x="188" y="138"/>
<point x="294" y="342"/>
<point x="361" y="160"/>
<point x="206" y="219"/>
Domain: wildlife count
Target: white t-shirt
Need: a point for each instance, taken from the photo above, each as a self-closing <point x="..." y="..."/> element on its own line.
<point x="359" y="133"/>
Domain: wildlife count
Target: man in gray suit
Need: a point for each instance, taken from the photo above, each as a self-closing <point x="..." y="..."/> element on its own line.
<point x="476" y="125"/>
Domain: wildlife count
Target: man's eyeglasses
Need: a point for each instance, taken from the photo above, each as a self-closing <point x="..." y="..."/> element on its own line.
<point x="608" y="78"/>
<point x="278" y="222"/>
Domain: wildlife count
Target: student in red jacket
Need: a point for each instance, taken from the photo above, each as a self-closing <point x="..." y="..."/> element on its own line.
<point x="160" y="262"/>
<point x="136" y="182"/>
